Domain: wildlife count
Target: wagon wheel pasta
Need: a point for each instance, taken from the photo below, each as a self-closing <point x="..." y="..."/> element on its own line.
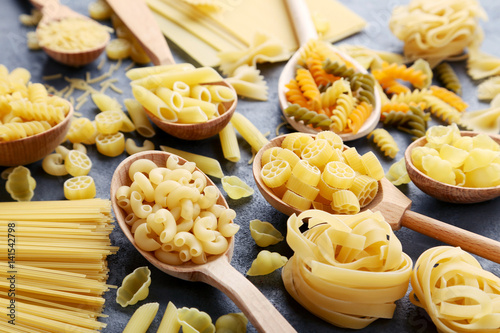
<point x="348" y="270"/>
<point x="462" y="292"/>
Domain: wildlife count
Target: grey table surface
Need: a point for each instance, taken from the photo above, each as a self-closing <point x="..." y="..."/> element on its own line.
<point x="481" y="218"/>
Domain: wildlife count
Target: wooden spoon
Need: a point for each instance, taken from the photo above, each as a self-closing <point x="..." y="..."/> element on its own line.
<point x="217" y="272"/>
<point x="138" y="18"/>
<point x="305" y="30"/>
<point x="53" y="11"/>
<point x="445" y="192"/>
<point x="394" y="206"/>
<point x="33" y="148"/>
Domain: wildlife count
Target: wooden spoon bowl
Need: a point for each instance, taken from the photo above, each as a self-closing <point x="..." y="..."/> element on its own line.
<point x="53" y="11"/>
<point x="446" y="192"/>
<point x="395" y="207"/>
<point x="33" y="148"/>
<point x="305" y="30"/>
<point x="202" y="130"/>
<point x="217" y="271"/>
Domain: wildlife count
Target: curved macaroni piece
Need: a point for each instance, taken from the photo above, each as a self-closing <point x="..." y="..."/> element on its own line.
<point x="446" y="74"/>
<point x="194" y="320"/>
<point x="53" y="164"/>
<point x="309" y="117"/>
<point x="264" y="233"/>
<point x="463" y="294"/>
<point x="132" y="148"/>
<point x="231" y="322"/>
<point x="77" y="163"/>
<point x="20" y="185"/>
<point x="110" y="144"/>
<point x="266" y="263"/>
<point x="78" y="188"/>
<point x="135" y="287"/>
<point x="143" y="239"/>
<point x="384" y="141"/>
<point x="347" y="269"/>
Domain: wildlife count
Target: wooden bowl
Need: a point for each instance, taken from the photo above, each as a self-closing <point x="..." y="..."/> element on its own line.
<point x="35" y="147"/>
<point x="202" y="130"/>
<point x="445" y="192"/>
<point x="76" y="58"/>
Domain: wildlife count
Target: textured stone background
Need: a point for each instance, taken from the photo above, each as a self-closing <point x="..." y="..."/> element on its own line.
<point x="480" y="218"/>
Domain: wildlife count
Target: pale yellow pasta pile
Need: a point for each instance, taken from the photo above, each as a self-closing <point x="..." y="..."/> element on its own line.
<point x="457" y="293"/>
<point x="458" y="160"/>
<point x="174" y="213"/>
<point x="347" y="269"/>
<point x="320" y="172"/>
<point x="437" y="30"/>
<point x="181" y="93"/>
<point x="26" y="108"/>
<point x="72" y="34"/>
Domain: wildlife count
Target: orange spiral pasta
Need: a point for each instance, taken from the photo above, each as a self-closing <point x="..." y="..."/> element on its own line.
<point x="391" y="72"/>
<point x="321" y="77"/>
<point x="358" y="116"/>
<point x="294" y="95"/>
<point x="309" y="88"/>
<point x="449" y="97"/>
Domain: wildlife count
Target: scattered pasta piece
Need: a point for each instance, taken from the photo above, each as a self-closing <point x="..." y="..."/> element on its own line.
<point x="264" y="233"/>
<point x="20" y="185"/>
<point x="194" y="320"/>
<point x="170" y="321"/>
<point x="231" y="322"/>
<point x="132" y="148"/>
<point x="485" y="121"/>
<point x="384" y="141"/>
<point x="266" y="263"/>
<point x="455" y="291"/>
<point x="236" y="188"/>
<point x="248" y="82"/>
<point x="79" y="188"/>
<point x="208" y="165"/>
<point x="135" y="287"/>
<point x="142" y="318"/>
<point x="397" y="173"/>
<point x="347" y="269"/>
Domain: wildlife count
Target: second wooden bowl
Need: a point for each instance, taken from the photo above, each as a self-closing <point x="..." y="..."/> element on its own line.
<point x="445" y="192"/>
<point x="33" y="148"/>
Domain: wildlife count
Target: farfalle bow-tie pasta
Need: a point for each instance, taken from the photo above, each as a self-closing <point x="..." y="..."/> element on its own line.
<point x="347" y="269"/>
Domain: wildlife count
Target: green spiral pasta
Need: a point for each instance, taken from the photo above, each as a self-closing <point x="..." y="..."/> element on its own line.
<point x="364" y="85"/>
<point x="448" y="77"/>
<point x="313" y="118"/>
<point x="338" y="69"/>
<point x="413" y="122"/>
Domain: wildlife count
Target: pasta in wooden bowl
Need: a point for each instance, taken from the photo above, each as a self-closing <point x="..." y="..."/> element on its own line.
<point x="193" y="260"/>
<point x="454" y="181"/>
<point x="31" y="141"/>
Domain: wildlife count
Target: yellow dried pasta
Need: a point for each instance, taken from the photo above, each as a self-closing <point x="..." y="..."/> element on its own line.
<point x="20" y="185"/>
<point x="275" y="173"/>
<point x="79" y="188"/>
<point x="236" y="188"/>
<point x="345" y="202"/>
<point x="135" y="287"/>
<point x="264" y="233"/>
<point x="266" y="263"/>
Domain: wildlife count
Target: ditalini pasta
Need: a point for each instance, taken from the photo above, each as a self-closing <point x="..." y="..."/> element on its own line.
<point x="180" y="209"/>
<point x="457" y="293"/>
<point x="61" y="275"/>
<point x="347" y="269"/>
<point x="462" y="161"/>
<point x="310" y="172"/>
<point x="135" y="287"/>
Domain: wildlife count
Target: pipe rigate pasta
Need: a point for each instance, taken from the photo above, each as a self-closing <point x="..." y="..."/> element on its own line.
<point x="384" y="141"/>
<point x="78" y="188"/>
<point x="463" y="293"/>
<point x="20" y="185"/>
<point x="264" y="233"/>
<point x="135" y="287"/>
<point x="334" y="275"/>
<point x="266" y="263"/>
<point x="236" y="188"/>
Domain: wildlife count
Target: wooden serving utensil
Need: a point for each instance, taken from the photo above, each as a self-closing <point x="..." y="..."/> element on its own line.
<point x="217" y="272"/>
<point x="395" y="207"/>
<point x="33" y="148"/>
<point x="53" y="11"/>
<point x="445" y="192"/>
<point x="305" y="31"/>
<point x="136" y="15"/>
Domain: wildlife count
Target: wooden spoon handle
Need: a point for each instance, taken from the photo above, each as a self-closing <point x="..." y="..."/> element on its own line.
<point x="482" y="246"/>
<point x="138" y="18"/>
<point x="256" y="307"/>
<point x="302" y="21"/>
<point x="44" y="3"/>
